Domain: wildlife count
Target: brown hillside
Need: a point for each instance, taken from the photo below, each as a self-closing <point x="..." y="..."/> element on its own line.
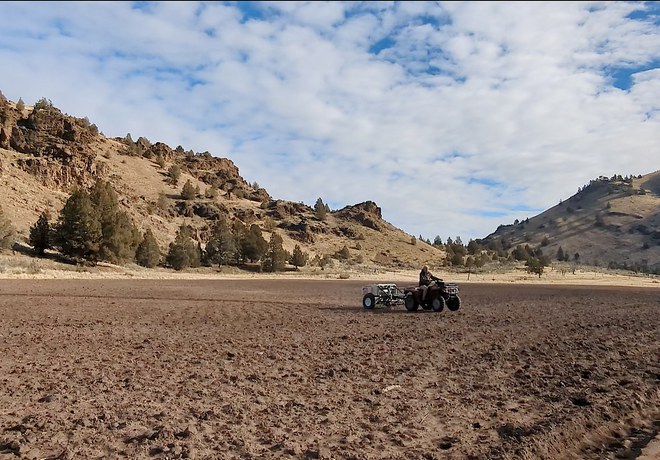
<point x="44" y="153"/>
<point x="611" y="222"/>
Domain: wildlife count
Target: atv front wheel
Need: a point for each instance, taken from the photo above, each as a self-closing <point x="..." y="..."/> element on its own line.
<point x="454" y="303"/>
<point x="369" y="301"/>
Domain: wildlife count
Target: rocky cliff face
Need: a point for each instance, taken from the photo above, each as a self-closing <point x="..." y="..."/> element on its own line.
<point x="58" y="148"/>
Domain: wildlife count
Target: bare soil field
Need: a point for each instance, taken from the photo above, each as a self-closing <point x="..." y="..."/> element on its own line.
<point x="263" y="369"/>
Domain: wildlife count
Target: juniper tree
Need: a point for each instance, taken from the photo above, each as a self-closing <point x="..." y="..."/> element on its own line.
<point x="320" y="210"/>
<point x="188" y="192"/>
<point x="183" y="251"/>
<point x="298" y="257"/>
<point x="7" y="232"/>
<point x="120" y="237"/>
<point x="221" y="248"/>
<point x="174" y="173"/>
<point x="78" y="232"/>
<point x="275" y="257"/>
<point x="148" y="251"/>
<point x="253" y="244"/>
<point x="344" y="253"/>
<point x="41" y="234"/>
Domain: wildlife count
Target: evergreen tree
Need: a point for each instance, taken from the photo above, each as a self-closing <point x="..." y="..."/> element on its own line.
<point x="175" y="174"/>
<point x="221" y="248"/>
<point x="78" y="231"/>
<point x="40" y="234"/>
<point x="183" y="251"/>
<point x="148" y="251"/>
<point x="535" y="265"/>
<point x="7" y="232"/>
<point x="211" y="192"/>
<point x="560" y="254"/>
<point x="188" y="191"/>
<point x="320" y="210"/>
<point x="299" y="258"/>
<point x="120" y="237"/>
<point x="239" y="230"/>
<point x="473" y="247"/>
<point x="253" y="244"/>
<point x="344" y="253"/>
<point x="275" y="257"/>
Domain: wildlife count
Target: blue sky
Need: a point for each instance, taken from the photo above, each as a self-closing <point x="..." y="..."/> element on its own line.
<point x="454" y="117"/>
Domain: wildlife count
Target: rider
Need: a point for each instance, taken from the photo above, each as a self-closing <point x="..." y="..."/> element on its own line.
<point x="426" y="280"/>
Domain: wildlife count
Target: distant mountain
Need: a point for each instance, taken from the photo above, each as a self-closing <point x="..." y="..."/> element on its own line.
<point x="44" y="153"/>
<point x="611" y="222"/>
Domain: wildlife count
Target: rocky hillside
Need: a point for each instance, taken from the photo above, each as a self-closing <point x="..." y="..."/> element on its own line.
<point x="44" y="153"/>
<point x="611" y="222"/>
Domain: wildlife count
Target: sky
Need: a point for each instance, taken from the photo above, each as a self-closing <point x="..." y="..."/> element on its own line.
<point x="454" y="117"/>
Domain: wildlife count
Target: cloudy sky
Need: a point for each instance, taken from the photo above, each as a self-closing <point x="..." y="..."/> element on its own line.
<point x="453" y="117"/>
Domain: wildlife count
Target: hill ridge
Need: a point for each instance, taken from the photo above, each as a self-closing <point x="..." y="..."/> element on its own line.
<point x="45" y="152"/>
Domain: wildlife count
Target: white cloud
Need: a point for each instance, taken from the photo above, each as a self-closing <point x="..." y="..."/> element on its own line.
<point x="470" y="109"/>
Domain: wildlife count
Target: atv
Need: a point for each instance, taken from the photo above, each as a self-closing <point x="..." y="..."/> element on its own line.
<point x="438" y="295"/>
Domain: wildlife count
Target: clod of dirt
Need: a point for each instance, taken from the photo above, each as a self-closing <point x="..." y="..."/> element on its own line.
<point x="581" y="402"/>
<point x="12" y="447"/>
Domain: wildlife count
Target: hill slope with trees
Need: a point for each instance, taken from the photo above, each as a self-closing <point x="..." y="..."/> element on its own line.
<point x="120" y="199"/>
<point x="611" y="222"/>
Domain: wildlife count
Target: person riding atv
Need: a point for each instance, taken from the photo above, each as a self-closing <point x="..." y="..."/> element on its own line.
<point x="426" y="279"/>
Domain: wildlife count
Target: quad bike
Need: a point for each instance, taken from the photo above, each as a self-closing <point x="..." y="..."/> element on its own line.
<point x="438" y="295"/>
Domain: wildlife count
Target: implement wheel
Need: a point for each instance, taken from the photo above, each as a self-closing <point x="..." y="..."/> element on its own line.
<point x="369" y="301"/>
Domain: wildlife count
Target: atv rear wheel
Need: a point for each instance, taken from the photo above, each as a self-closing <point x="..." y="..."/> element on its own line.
<point x="438" y="303"/>
<point x="454" y="303"/>
<point x="411" y="302"/>
<point x="369" y="301"/>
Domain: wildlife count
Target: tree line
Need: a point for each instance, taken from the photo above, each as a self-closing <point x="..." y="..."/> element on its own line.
<point x="93" y="227"/>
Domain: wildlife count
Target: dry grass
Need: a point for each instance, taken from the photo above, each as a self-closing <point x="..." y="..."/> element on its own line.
<point x="20" y="266"/>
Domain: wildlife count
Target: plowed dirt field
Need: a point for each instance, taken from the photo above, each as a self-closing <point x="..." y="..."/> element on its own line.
<point x="269" y="369"/>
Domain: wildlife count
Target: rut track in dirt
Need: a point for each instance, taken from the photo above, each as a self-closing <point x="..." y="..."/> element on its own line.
<point x="294" y="368"/>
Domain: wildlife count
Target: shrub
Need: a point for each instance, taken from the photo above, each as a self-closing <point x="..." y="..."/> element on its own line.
<point x="7" y="232"/>
<point x="41" y="235"/>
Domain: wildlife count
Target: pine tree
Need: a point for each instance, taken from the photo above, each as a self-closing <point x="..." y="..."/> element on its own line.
<point x="275" y="257"/>
<point x="320" y="210"/>
<point x="41" y="235"/>
<point x="78" y="231"/>
<point x="148" y="251"/>
<point x="7" y="232"/>
<point x="299" y="258"/>
<point x="560" y="254"/>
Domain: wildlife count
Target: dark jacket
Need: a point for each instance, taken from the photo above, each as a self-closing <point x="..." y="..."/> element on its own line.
<point x="426" y="278"/>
